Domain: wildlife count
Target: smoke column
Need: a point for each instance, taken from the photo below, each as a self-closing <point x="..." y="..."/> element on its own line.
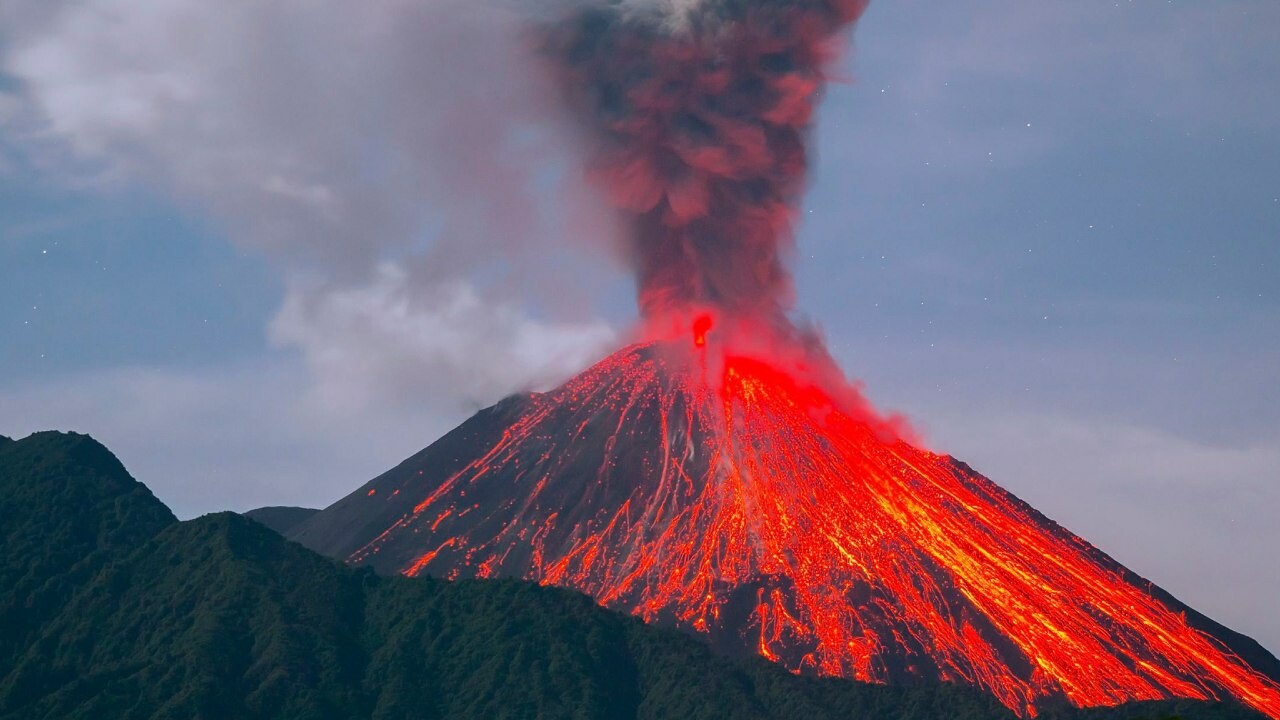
<point x="701" y="113"/>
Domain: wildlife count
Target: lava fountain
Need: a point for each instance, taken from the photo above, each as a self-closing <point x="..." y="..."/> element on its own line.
<point x="719" y="475"/>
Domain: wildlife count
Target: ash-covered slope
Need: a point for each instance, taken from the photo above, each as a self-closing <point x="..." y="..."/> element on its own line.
<point x="722" y="496"/>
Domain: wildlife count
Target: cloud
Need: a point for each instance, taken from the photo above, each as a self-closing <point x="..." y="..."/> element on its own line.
<point x="331" y="133"/>
<point x="389" y="344"/>
<point x="359" y="146"/>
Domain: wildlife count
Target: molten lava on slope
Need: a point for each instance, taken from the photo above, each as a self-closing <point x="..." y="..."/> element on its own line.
<point x="738" y="499"/>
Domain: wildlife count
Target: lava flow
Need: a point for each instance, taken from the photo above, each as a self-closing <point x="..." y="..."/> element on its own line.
<point x="737" y="499"/>
<point x="719" y="475"/>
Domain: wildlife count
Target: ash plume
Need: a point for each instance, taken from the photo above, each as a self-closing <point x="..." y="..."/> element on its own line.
<point x="699" y="114"/>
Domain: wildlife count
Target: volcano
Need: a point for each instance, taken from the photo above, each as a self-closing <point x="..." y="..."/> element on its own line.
<point x="719" y="475"/>
<point x="735" y="496"/>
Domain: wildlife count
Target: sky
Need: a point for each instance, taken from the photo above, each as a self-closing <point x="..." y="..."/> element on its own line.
<point x="266" y="251"/>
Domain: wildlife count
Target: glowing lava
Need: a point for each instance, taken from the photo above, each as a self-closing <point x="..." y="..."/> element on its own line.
<point x="750" y="506"/>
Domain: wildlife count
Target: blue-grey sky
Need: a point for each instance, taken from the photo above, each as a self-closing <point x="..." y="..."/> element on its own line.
<point x="265" y="251"/>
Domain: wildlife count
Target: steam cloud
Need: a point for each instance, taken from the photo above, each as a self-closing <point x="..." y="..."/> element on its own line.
<point x="699" y="114"/>
<point x="421" y="220"/>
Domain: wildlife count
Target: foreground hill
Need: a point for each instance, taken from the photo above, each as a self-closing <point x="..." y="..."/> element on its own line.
<point x="110" y="607"/>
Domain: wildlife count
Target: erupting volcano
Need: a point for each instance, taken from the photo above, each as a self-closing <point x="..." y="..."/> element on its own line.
<point x="739" y="500"/>
<point x="719" y="475"/>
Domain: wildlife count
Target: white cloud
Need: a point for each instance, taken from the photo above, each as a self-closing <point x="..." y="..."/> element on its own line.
<point x="327" y="132"/>
<point x="390" y="344"/>
<point x="395" y="160"/>
<point x="384" y="155"/>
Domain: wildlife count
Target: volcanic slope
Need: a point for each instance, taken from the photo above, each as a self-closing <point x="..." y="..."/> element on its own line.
<point x="720" y="495"/>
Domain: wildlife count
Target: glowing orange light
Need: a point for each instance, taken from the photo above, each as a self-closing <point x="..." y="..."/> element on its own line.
<point x="701" y="325"/>
<point x="753" y="508"/>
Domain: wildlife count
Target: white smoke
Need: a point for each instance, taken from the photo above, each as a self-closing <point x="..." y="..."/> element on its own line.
<point x="358" y="145"/>
<point x="447" y="342"/>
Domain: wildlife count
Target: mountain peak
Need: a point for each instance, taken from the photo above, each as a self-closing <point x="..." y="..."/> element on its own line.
<point x="79" y="484"/>
<point x="737" y="499"/>
<point x="67" y="509"/>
